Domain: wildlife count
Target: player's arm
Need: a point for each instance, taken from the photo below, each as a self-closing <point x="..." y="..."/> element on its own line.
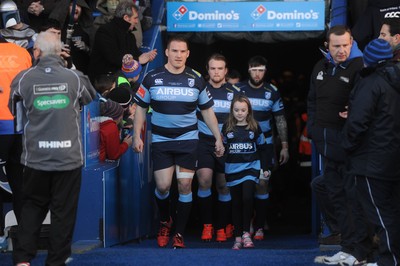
<point x="140" y="118"/>
<point x="212" y="123"/>
<point x="281" y="126"/>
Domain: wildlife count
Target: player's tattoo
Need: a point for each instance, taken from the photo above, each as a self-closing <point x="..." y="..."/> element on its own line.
<point x="281" y="126"/>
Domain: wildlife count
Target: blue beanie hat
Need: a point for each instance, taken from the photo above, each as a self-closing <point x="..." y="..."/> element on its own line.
<point x="377" y="51"/>
<point x="130" y="67"/>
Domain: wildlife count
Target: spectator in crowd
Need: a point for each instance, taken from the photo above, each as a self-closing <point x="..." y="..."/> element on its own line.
<point x="77" y="30"/>
<point x="13" y="29"/>
<point x="174" y="132"/>
<point x="54" y="27"/>
<point x="107" y="10"/>
<point x="390" y="32"/>
<point x="124" y="97"/>
<point x="332" y="79"/>
<point x="129" y="74"/>
<point x="367" y="16"/>
<point x="36" y="12"/>
<point x="53" y="157"/>
<point x="111" y="147"/>
<point x="114" y="39"/>
<point x="372" y="139"/>
<point x="104" y="84"/>
<point x="245" y="164"/>
<point x="267" y="104"/>
<point x="208" y="163"/>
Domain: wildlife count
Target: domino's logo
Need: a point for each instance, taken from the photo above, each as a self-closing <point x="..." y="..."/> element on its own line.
<point x="256" y="14"/>
<point x="178" y="14"/>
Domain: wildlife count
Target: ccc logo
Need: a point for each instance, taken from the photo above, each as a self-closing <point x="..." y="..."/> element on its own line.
<point x="393" y="14"/>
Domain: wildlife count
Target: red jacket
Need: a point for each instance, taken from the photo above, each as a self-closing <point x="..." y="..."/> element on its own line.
<point x="111" y="147"/>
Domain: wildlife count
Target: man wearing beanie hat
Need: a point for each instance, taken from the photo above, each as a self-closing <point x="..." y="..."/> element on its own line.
<point x="377" y="52"/>
<point x="111" y="147"/>
<point x="371" y="139"/>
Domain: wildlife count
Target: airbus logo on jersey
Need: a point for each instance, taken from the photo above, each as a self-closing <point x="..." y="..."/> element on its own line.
<point x="175" y="91"/>
<point x="43" y="144"/>
<point x="222" y="104"/>
<point x="258" y="102"/>
<point x="241" y="147"/>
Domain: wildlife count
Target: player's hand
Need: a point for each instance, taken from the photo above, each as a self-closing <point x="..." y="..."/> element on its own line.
<point x="284" y="156"/>
<point x="219" y="148"/>
<point x="138" y="144"/>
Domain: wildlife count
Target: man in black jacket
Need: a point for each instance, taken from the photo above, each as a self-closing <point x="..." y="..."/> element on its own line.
<point x="332" y="80"/>
<point x="115" y="39"/>
<point x="372" y="140"/>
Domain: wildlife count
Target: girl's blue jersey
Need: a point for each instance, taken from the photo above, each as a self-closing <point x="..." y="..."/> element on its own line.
<point x="243" y="148"/>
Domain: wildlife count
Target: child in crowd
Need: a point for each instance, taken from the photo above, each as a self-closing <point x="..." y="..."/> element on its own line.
<point x="111" y="147"/>
<point x="123" y="96"/>
<point x="245" y="164"/>
<point x="104" y="84"/>
<point x="129" y="74"/>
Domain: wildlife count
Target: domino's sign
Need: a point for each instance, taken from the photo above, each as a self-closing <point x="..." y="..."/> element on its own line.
<point x="245" y="16"/>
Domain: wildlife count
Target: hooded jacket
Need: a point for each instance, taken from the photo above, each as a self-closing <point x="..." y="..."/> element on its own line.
<point x="111" y="147"/>
<point x="330" y="88"/>
<point x="372" y="130"/>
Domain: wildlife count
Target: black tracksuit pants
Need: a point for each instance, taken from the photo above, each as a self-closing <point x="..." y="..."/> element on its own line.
<point x="342" y="194"/>
<point x="57" y="191"/>
<point x="380" y="200"/>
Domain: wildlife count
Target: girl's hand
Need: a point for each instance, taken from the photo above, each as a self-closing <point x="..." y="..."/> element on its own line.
<point x="265" y="175"/>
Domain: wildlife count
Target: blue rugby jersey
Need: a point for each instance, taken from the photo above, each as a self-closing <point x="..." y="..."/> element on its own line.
<point x="266" y="102"/>
<point x="222" y="98"/>
<point x="244" y="158"/>
<point x="174" y="99"/>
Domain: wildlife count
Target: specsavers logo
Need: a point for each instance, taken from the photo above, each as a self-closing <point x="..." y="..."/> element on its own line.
<point x="47" y="102"/>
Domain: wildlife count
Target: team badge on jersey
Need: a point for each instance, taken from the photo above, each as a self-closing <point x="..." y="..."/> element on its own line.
<point x="229" y="135"/>
<point x="251" y="134"/>
<point x="229" y="96"/>
<point x="191" y="82"/>
<point x="158" y="81"/>
<point x="267" y="95"/>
